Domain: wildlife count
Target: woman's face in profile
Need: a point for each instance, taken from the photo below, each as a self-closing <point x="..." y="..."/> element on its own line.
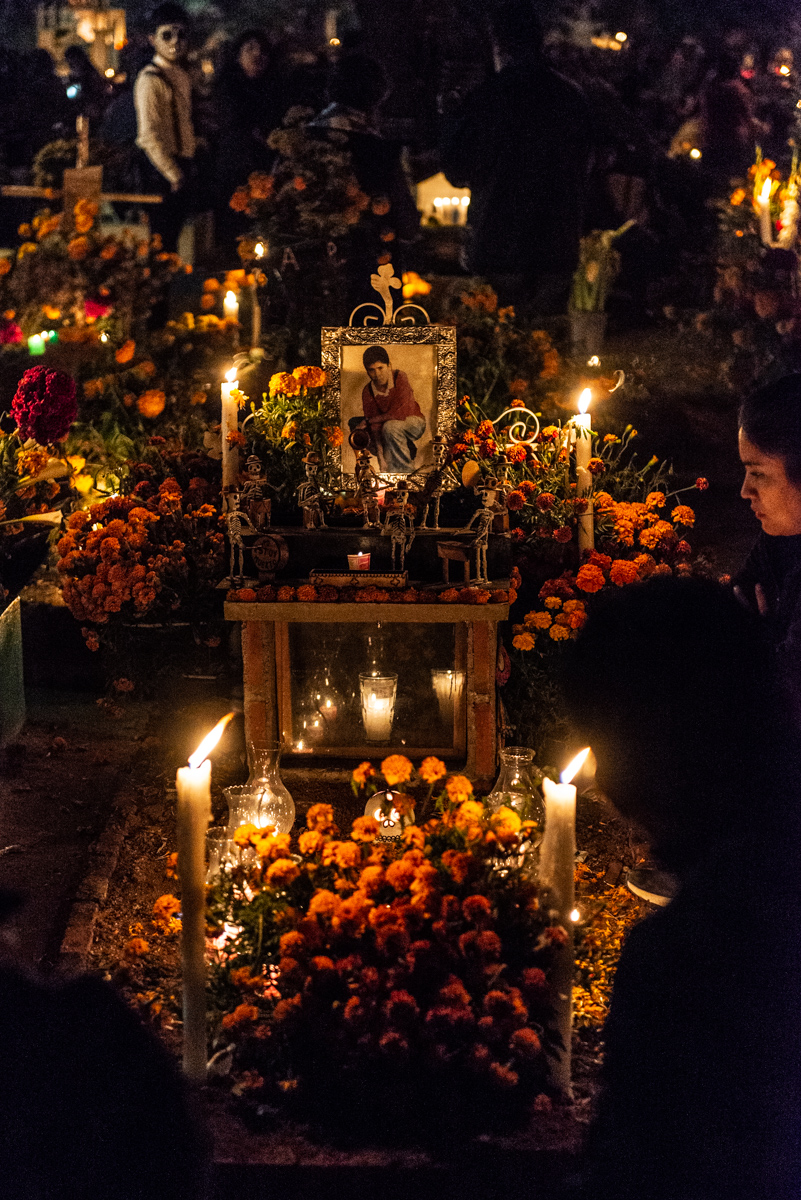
<point x="379" y="374"/>
<point x="775" y="499"/>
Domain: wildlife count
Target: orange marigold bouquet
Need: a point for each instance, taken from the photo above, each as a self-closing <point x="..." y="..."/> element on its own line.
<point x="292" y="420"/>
<point x="154" y="555"/>
<point x="406" y="980"/>
<point x="74" y="277"/>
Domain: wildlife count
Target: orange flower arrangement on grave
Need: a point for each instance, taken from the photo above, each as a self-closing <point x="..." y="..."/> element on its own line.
<point x="155" y="554"/>
<point x="413" y="969"/>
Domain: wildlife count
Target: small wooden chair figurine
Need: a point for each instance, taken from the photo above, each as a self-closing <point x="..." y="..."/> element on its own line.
<point x="455" y="552"/>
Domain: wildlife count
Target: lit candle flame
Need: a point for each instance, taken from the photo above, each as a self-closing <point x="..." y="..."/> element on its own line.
<point x="594" y="361"/>
<point x="764" y="195"/>
<point x="258" y="249"/>
<point x="230" y="297"/>
<point x="209" y="742"/>
<point x="231" y="375"/>
<point x="584" y="400"/>
<point x="575" y="915"/>
<point x="574" y="766"/>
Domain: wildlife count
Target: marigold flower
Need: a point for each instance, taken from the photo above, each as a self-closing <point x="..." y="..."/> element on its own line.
<point x="558" y="633"/>
<point x="165" y="908"/>
<point x="283" y="383"/>
<point x="299" y="183"/>
<point x="371" y="880"/>
<point x="310" y="377"/>
<point x="590" y="578"/>
<point x="623" y="572"/>
<point x="655" y="500"/>
<point x="151" y="403"/>
<point x="525" y="1043"/>
<point x="126" y="351"/>
<point x="364" y="829"/>
<point x="240" y="200"/>
<point x="321" y="818"/>
<point x="396" y="769"/>
<point x="136" y="947"/>
<point x="400" y="874"/>
<point x="515" y="501"/>
<point x="682" y="515"/>
<point x="523" y="641"/>
<point x="432" y="769"/>
<point x="5" y="266"/>
<point x="459" y="788"/>
<point x="702" y="484"/>
<point x="245" y="833"/>
<point x="485" y="430"/>
<point x="324" y="904"/>
<point x="243" y="1014"/>
<point x="563" y="534"/>
<point x="540" y="620"/>
<point x="505" y="823"/>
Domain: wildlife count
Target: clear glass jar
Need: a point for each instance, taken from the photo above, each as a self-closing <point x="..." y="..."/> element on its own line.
<point x="275" y="805"/>
<point x="243" y="806"/>
<point x="515" y="788"/>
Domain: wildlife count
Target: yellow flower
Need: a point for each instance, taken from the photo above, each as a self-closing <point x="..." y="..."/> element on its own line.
<point x="151" y="403"/>
<point x="655" y="500"/>
<point x="459" y="788"/>
<point x="553" y="602"/>
<point x="432" y="769"/>
<point x="284" y="384"/>
<point x="310" y="842"/>
<point x="362" y="773"/>
<point x="558" y="633"/>
<point x="126" y="351"/>
<point x="51" y="313"/>
<point x="244" y="833"/>
<point x="282" y="872"/>
<point x="27" y="248"/>
<point x="523" y="641"/>
<point x="396" y="769"/>
<point x="310" y="377"/>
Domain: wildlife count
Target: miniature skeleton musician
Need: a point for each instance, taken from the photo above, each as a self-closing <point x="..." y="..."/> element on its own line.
<point x="399" y="526"/>
<point x="236" y="523"/>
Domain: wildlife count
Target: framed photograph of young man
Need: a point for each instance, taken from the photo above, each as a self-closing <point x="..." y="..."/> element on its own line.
<point x="393" y="388"/>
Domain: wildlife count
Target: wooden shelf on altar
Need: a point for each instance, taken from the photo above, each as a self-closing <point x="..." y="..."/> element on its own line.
<point x="269" y="677"/>
<point x="351" y="613"/>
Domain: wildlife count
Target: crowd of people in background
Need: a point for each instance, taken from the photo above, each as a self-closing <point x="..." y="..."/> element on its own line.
<point x="654" y="129"/>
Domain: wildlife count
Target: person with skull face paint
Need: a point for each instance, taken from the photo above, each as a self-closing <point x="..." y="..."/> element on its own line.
<point x="165" y="131"/>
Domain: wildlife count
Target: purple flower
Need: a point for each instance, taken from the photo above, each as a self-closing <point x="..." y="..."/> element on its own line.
<point x="44" y="405"/>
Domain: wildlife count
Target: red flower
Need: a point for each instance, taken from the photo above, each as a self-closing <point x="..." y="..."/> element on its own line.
<point x="545" y="501"/>
<point x="93" y="309"/>
<point x="515" y="501"/>
<point x="485" y="430"/>
<point x="702" y="484"/>
<point x="487" y="449"/>
<point x="563" y="534"/>
<point x="44" y="405"/>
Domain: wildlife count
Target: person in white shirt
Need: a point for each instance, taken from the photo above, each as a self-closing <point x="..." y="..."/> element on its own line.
<point x="165" y="132"/>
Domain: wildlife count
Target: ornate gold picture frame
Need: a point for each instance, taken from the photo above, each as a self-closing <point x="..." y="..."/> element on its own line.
<point x="391" y="390"/>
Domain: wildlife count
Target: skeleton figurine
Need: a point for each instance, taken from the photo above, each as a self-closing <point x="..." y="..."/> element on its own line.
<point x="433" y="486"/>
<point x="310" y="495"/>
<point x="235" y="521"/>
<point x="483" y="519"/>
<point x="399" y="526"/>
<point x="367" y="486"/>
<point x="255" y="502"/>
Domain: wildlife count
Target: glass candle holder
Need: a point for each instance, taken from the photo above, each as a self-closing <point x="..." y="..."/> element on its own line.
<point x="243" y="806"/>
<point x="217" y="845"/>
<point x="275" y="804"/>
<point x="515" y="788"/>
<point x="378" y="693"/>
<point x="448" y="686"/>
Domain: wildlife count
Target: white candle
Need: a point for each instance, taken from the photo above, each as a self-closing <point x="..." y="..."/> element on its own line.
<point x="255" y="326"/>
<point x="557" y="873"/>
<point x="193" y="814"/>
<point x="229" y="423"/>
<point x="765" y="223"/>
<point x="231" y="306"/>
<point x="582" y="427"/>
<point x="377" y="717"/>
<point x="448" y="688"/>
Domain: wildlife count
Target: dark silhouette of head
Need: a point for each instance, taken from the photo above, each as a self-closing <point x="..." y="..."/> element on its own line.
<point x="771" y="420"/>
<point x="357" y="81"/>
<point x="166" y="14"/>
<point x="516" y="28"/>
<point x="673" y="686"/>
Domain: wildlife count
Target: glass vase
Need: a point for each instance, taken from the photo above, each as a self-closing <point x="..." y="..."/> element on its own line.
<point x="515" y="788"/>
<point x="275" y="805"/>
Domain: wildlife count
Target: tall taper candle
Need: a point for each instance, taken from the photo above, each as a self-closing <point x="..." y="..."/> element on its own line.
<point x="765" y="223"/>
<point x="193" y="815"/>
<point x="583" y="429"/>
<point x="229" y="423"/>
<point x="557" y="873"/>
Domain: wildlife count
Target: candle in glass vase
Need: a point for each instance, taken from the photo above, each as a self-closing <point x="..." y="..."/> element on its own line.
<point x="229" y="423"/>
<point x="447" y="685"/>
<point x="193" y="784"/>
<point x="557" y="874"/>
<point x="378" y="705"/>
<point x="582" y="428"/>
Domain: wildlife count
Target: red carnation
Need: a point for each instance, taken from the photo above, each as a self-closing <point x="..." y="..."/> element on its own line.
<point x="44" y="405"/>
